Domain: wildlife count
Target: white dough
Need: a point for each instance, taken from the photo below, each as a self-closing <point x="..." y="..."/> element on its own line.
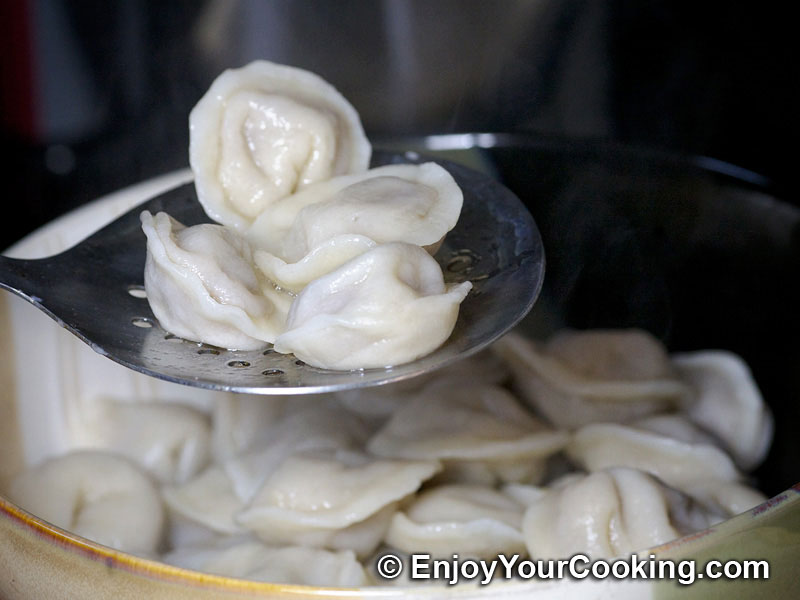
<point x="98" y="495"/>
<point x="728" y="403"/>
<point x="170" y="441"/>
<point x="316" y="428"/>
<point x="311" y="498"/>
<point x="416" y="204"/>
<point x="480" y="431"/>
<point x="202" y="285"/>
<point x="386" y="307"/>
<point x="613" y="512"/>
<point x="689" y="467"/>
<point x="208" y="499"/>
<point x="265" y="131"/>
<point x="469" y="520"/>
<point x="322" y="259"/>
<point x="253" y="560"/>
<point x="589" y="376"/>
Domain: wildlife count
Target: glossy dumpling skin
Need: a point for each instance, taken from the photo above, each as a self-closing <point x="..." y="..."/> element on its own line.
<point x="386" y="307"/>
<point x="416" y="204"/>
<point x="202" y="286"/>
<point x="328" y="256"/>
<point x="340" y="500"/>
<point x="264" y="131"/>
<point x="470" y="520"/>
<point x="609" y="513"/>
<point x="101" y="496"/>
<point x="253" y="560"/>
<point x="581" y="377"/>
<point x="479" y="431"/>
<point x="171" y="442"/>
<point x="727" y="402"/>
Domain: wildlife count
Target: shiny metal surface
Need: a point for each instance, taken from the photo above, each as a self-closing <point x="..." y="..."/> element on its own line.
<point x="95" y="291"/>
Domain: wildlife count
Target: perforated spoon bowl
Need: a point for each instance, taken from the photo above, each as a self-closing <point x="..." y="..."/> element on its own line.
<point x="95" y="290"/>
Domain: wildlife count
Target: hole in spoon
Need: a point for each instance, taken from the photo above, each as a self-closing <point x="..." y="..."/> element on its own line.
<point x="238" y="364"/>
<point x="208" y="351"/>
<point x="137" y="291"/>
<point x="142" y="322"/>
<point x="272" y="372"/>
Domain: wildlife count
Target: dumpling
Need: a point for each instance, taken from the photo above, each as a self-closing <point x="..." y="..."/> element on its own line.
<point x="676" y="426"/>
<point x="472" y="427"/>
<point x="253" y="560"/>
<point x="323" y="259"/>
<point x="208" y="499"/>
<point x="242" y="421"/>
<point x="379" y="403"/>
<point x="171" y="442"/>
<point x="202" y="286"/>
<point x="314" y="428"/>
<point x="341" y="500"/>
<point x="265" y="131"/>
<point x="613" y="512"/>
<point x="468" y="520"/>
<point x="689" y="467"/>
<point x="101" y="496"/>
<point x="728" y="403"/>
<point x="416" y="204"/>
<point x="581" y="377"/>
<point x="386" y="307"/>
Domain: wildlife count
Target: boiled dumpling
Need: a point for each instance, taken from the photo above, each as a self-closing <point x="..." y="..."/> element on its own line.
<point x="728" y="403"/>
<point x="329" y="500"/>
<point x="676" y="426"/>
<point x="416" y="204"/>
<point x="171" y="442"/>
<point x="613" y="512"/>
<point x="266" y="131"/>
<point x="208" y="499"/>
<point x="478" y="428"/>
<point x="253" y="560"/>
<point x="386" y="307"/>
<point x="469" y="520"/>
<point x="323" y="259"/>
<point x="379" y="403"/>
<point x="201" y="285"/>
<point x="101" y="496"/>
<point x="315" y="428"/>
<point x="689" y="467"/>
<point x="589" y="376"/>
<point x="241" y="421"/>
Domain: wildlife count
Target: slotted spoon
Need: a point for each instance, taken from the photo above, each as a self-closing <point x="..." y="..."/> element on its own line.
<point x="95" y="290"/>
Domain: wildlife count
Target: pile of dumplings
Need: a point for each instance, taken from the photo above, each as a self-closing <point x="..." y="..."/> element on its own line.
<point x="596" y="442"/>
<point x="312" y="251"/>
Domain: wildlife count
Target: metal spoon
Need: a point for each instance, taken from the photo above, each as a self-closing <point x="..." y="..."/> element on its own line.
<point x="95" y="290"/>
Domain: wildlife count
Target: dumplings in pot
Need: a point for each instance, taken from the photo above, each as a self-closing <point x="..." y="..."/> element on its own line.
<point x="254" y="560"/>
<point x="265" y="131"/>
<point x="98" y="495"/>
<point x="469" y="520"/>
<point x="472" y="427"/>
<point x="313" y="499"/>
<point x="727" y="402"/>
<point x="612" y="512"/>
<point x="580" y="377"/>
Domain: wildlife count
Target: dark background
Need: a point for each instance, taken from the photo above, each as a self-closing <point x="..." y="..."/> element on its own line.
<point x="96" y="94"/>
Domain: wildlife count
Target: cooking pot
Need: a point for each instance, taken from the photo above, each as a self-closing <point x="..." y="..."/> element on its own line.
<point x="698" y="252"/>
